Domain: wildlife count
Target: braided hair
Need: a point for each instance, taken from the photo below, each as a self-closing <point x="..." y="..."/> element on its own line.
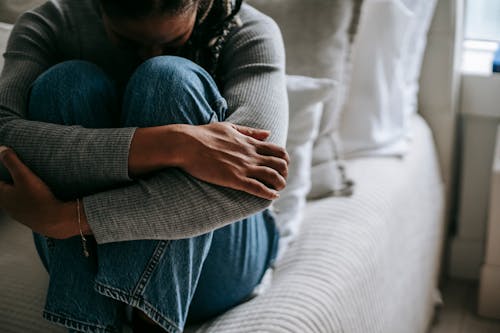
<point x="215" y="21"/>
<point x="210" y="36"/>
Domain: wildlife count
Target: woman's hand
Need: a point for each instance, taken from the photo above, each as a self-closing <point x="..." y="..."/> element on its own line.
<point x="223" y="154"/>
<point x="29" y="201"/>
<point x="236" y="157"/>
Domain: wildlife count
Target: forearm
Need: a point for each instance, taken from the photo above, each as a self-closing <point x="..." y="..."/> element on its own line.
<point x="168" y="205"/>
<point x="73" y="161"/>
<point x="91" y="160"/>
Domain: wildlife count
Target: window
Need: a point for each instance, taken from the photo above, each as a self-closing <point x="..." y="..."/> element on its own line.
<point x="482" y="20"/>
<point x="482" y="35"/>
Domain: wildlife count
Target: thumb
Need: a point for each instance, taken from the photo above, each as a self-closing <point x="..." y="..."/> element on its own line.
<point x="255" y="133"/>
<point x="17" y="169"/>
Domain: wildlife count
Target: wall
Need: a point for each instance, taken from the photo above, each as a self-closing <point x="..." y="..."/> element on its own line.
<point x="440" y="91"/>
<point x="480" y="116"/>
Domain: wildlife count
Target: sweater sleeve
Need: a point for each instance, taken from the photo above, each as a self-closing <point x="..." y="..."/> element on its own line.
<point x="65" y="157"/>
<point x="173" y="205"/>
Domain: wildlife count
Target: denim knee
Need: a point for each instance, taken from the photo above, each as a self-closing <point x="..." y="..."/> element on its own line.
<point x="170" y="89"/>
<point x="176" y="73"/>
<point x="67" y="91"/>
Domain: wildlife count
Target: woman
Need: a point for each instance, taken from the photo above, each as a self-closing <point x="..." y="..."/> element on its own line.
<point x="142" y="154"/>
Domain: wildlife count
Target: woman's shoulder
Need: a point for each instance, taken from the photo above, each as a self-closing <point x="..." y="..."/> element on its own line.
<point x="59" y="13"/>
<point x="255" y="23"/>
<point x="251" y="16"/>
<point x="64" y="29"/>
<point x="255" y="41"/>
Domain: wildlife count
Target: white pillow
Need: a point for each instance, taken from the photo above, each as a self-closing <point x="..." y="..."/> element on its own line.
<point x="305" y="96"/>
<point x="423" y="12"/>
<point x="373" y="114"/>
<point x="387" y="58"/>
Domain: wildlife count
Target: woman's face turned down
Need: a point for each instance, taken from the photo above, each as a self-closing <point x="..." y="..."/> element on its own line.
<point x="151" y="36"/>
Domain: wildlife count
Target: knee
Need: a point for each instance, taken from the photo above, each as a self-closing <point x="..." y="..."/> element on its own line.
<point x="173" y="73"/>
<point x="71" y="78"/>
<point x="73" y="92"/>
<point x="169" y="89"/>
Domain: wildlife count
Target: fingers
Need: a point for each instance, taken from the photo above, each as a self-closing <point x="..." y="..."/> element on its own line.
<point x="255" y="187"/>
<point x="278" y="164"/>
<point x="270" y="149"/>
<point x="269" y="177"/>
<point x="17" y="169"/>
<point x="255" y="133"/>
<point x="255" y="166"/>
<point x="263" y="148"/>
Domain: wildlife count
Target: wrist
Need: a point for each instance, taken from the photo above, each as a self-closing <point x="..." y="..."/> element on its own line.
<point x="71" y="220"/>
<point x="64" y="222"/>
<point x="174" y="139"/>
<point x="155" y="148"/>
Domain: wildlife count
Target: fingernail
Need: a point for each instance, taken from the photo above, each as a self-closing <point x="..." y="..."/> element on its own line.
<point x="2" y="149"/>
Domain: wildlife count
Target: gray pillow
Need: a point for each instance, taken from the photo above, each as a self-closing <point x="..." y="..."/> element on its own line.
<point x="315" y="33"/>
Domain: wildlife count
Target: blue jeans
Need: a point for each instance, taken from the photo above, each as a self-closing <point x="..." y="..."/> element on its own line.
<point x="171" y="281"/>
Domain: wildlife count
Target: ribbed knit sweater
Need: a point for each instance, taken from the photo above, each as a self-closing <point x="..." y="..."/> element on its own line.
<point x="94" y="162"/>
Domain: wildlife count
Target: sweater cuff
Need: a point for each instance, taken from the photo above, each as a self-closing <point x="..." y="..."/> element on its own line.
<point x="117" y="146"/>
<point x="102" y="227"/>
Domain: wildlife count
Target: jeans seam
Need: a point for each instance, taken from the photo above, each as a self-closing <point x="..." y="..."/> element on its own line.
<point x="76" y="324"/>
<point x="137" y="302"/>
<point x="150" y="267"/>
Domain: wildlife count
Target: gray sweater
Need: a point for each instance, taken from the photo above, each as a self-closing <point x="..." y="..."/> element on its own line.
<point x="169" y="204"/>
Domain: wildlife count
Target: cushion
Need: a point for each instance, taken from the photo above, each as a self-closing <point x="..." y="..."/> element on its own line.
<point x="11" y="9"/>
<point x="387" y="57"/>
<point x="305" y="96"/>
<point x="317" y="36"/>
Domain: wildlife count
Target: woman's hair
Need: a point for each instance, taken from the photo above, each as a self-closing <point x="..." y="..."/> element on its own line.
<point x="142" y="8"/>
<point x="214" y="22"/>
